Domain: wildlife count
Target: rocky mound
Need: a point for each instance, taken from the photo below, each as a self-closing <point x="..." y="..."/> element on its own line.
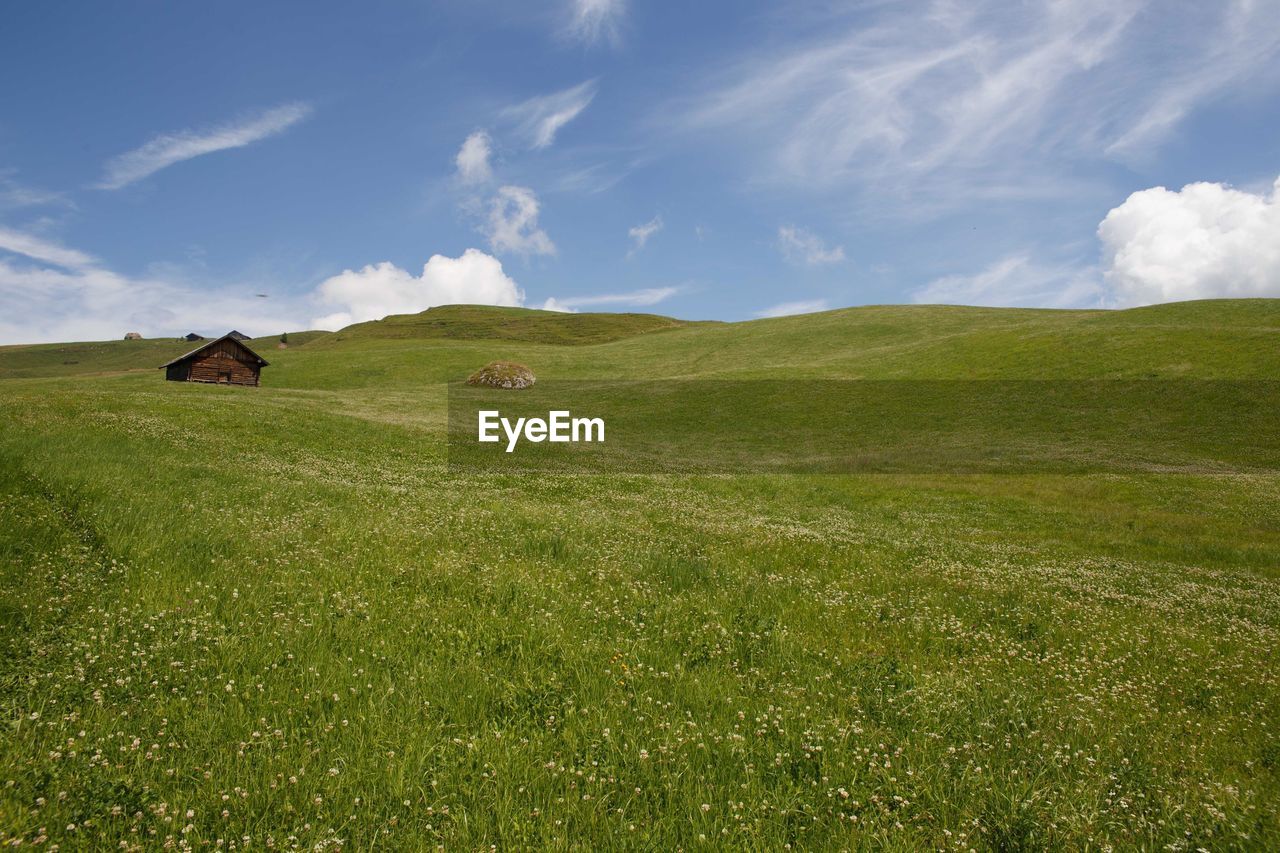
<point x="502" y="374"/>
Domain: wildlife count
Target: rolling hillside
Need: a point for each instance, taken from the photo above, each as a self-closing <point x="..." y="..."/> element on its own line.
<point x="282" y="614"/>
<point x="1209" y="339"/>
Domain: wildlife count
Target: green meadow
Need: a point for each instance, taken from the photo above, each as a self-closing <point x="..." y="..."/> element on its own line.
<point x="279" y="618"/>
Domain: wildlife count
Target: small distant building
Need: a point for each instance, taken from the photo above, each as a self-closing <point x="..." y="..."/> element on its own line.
<point x="224" y="361"/>
<point x="193" y="337"/>
<point x="132" y="336"/>
<point x="239" y="336"/>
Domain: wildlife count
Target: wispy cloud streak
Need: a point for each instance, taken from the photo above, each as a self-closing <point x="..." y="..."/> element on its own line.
<point x="981" y="97"/>
<point x="804" y="247"/>
<point x="540" y="119"/>
<point x="787" y="309"/>
<point x="640" y="234"/>
<point x="38" y="249"/>
<point x="634" y="298"/>
<point x="170" y="148"/>
<point x="594" y="21"/>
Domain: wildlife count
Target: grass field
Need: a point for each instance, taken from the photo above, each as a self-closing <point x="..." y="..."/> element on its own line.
<point x="275" y="617"/>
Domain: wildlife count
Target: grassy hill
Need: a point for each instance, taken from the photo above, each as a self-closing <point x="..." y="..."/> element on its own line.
<point x="280" y="613"/>
<point x="100" y="357"/>
<point x="484" y="322"/>
<point x="1208" y="339"/>
<point x="1221" y="339"/>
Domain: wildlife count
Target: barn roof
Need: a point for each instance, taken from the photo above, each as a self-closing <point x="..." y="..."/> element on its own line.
<point x="262" y="362"/>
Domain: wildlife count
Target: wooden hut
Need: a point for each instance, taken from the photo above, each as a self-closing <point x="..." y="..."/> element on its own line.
<point x="224" y="361"/>
<point x="239" y="336"/>
<point x="192" y="336"/>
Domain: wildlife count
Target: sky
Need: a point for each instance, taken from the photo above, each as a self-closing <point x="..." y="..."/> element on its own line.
<point x="271" y="167"/>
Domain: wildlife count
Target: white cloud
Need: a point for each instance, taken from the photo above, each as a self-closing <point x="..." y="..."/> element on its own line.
<point x="1205" y="240"/>
<point x="1239" y="40"/>
<point x="14" y="195"/>
<point x="593" y="21"/>
<point x="512" y="224"/>
<point x="540" y="119"/>
<point x="786" y="309"/>
<point x="59" y="293"/>
<point x="801" y="246"/>
<point x="36" y="248"/>
<point x="634" y="298"/>
<point x="56" y="293"/>
<point x="473" y="159"/>
<point x="1016" y="281"/>
<point x="592" y="179"/>
<point x="170" y="148"/>
<point x="640" y="234"/>
<point x="935" y="98"/>
<point x="381" y="289"/>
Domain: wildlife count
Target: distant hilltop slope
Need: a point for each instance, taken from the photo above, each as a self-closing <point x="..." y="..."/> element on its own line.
<point x="1205" y="339"/>
<point x="484" y="322"/>
<point x="87" y="357"/>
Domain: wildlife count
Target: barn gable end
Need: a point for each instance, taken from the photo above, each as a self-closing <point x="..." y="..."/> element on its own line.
<point x="225" y="361"/>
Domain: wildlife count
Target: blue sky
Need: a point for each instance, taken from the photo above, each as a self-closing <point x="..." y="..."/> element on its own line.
<point x="161" y="165"/>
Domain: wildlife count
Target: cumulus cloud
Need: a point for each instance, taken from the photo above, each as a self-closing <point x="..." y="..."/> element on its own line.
<point x="473" y="159"/>
<point x="512" y="223"/>
<point x="640" y="234"/>
<point x="801" y="246"/>
<point x="540" y="119"/>
<point x="170" y="148"/>
<point x="593" y="21"/>
<point x="634" y="298"/>
<point x="381" y="289"/>
<point x="786" y="309"/>
<point x="1203" y="241"/>
<point x="51" y="292"/>
<point x="1016" y="281"/>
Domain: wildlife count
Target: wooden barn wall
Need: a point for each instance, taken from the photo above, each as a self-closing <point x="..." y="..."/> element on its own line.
<point x="222" y="362"/>
<point x="208" y="367"/>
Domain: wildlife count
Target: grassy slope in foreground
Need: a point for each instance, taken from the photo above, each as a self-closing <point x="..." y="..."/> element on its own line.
<point x="273" y="613"/>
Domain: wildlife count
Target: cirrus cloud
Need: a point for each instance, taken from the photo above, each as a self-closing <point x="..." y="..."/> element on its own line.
<point x="640" y="234"/>
<point x="801" y="246"/>
<point x="939" y="103"/>
<point x="634" y="298"/>
<point x="593" y="21"/>
<point x="787" y="309"/>
<point x="540" y="119"/>
<point x="170" y="148"/>
<point x="1016" y="281"/>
